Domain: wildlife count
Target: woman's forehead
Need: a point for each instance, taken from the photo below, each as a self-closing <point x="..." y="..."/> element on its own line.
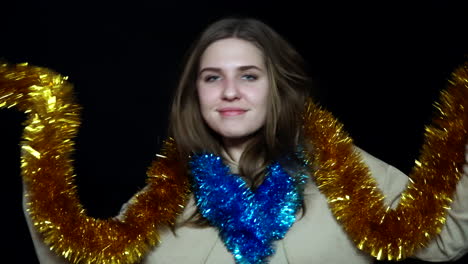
<point x="232" y="52"/>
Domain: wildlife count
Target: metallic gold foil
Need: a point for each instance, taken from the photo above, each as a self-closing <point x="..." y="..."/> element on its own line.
<point x="53" y="121"/>
<point x="354" y="197"/>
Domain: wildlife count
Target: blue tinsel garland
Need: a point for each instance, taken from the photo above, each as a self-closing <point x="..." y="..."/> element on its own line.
<point x="248" y="221"/>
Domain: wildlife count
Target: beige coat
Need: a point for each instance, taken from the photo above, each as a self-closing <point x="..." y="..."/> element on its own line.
<point x="314" y="238"/>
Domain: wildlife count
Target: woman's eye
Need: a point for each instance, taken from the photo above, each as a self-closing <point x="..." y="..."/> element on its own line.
<point x="211" y="78"/>
<point x="249" y="77"/>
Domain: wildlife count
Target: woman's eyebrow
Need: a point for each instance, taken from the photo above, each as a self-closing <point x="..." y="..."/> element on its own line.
<point x="219" y="70"/>
<point x="248" y="67"/>
<point x="213" y="69"/>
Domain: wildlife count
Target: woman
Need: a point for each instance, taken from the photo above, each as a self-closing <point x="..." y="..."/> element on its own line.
<point x="270" y="181"/>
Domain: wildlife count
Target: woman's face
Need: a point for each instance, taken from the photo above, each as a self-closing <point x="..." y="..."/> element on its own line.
<point x="233" y="88"/>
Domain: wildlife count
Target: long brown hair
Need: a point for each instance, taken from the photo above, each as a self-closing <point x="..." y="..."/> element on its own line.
<point x="289" y="86"/>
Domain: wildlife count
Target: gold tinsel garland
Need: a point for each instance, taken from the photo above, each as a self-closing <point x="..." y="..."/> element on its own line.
<point x="52" y="123"/>
<point x="354" y="197"/>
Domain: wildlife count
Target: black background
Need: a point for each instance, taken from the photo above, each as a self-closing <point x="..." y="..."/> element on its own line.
<point x="377" y="66"/>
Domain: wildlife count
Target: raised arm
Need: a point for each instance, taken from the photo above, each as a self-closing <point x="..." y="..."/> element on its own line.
<point x="356" y="200"/>
<point x="452" y="242"/>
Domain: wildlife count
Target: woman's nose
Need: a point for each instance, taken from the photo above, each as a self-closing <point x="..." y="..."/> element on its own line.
<point x="230" y="90"/>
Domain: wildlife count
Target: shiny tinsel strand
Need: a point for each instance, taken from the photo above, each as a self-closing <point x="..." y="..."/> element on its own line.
<point x="341" y="175"/>
<point x="53" y="120"/>
<point x="354" y="197"/>
<point x="249" y="222"/>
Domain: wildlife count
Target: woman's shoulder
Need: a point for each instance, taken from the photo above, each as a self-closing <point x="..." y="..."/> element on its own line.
<point x="390" y="180"/>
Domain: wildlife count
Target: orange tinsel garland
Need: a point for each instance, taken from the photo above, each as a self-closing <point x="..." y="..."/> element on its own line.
<point x="53" y="120"/>
<point x="354" y="197"/>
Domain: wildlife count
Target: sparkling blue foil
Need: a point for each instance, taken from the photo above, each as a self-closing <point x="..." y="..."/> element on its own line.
<point x="248" y="221"/>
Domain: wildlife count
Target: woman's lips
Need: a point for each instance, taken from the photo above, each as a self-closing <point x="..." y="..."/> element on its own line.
<point x="231" y="111"/>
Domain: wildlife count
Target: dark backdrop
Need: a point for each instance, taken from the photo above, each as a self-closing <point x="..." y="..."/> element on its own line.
<point x="377" y="67"/>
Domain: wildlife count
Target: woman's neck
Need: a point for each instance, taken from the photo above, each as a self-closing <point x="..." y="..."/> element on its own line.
<point x="234" y="148"/>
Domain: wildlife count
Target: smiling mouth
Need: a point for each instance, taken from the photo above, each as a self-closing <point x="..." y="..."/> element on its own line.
<point x="232" y="112"/>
